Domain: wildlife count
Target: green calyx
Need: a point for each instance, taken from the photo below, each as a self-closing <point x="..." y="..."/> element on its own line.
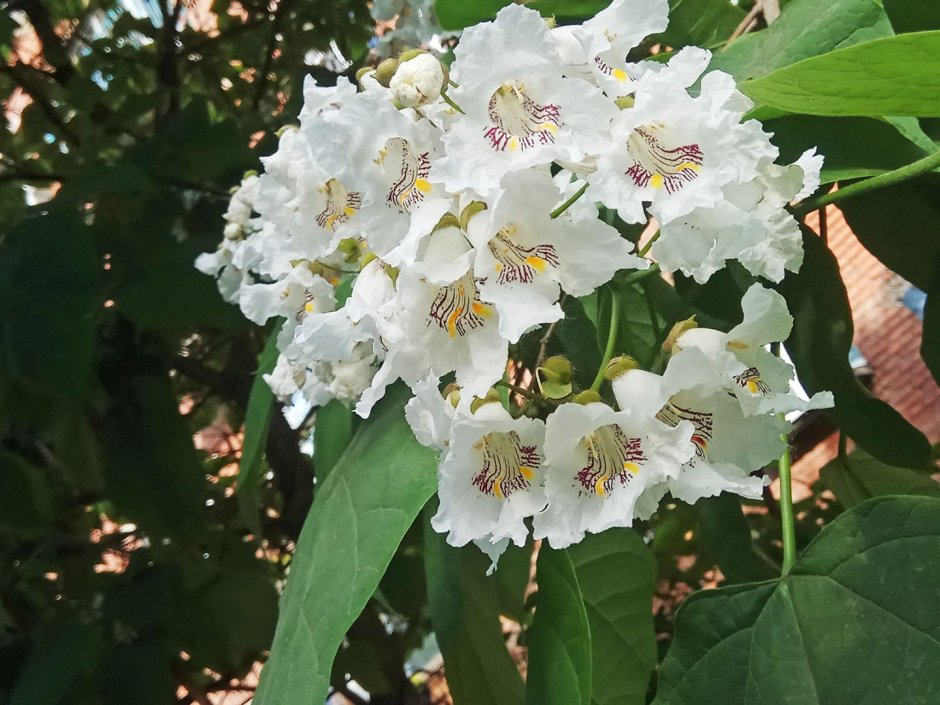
<point x="554" y="377"/>
<point x="588" y="396"/>
<point x="492" y="397"/>
<point x="618" y="366"/>
<point x="677" y="330"/>
<point x="469" y="211"/>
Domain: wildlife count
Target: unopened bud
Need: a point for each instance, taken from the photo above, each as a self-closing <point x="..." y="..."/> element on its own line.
<point x="492" y="396"/>
<point x="588" y="396"/>
<point x="469" y="211"/>
<point x="285" y="128"/>
<point x="448" y="220"/>
<point x="385" y="71"/>
<point x="248" y="174"/>
<point x="452" y="394"/>
<point x="554" y="377"/>
<point x="618" y="366"/>
<point x="418" y="79"/>
<point x="364" y="71"/>
<point x="678" y="329"/>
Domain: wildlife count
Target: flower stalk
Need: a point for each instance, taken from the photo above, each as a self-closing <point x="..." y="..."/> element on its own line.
<point x="611" y="341"/>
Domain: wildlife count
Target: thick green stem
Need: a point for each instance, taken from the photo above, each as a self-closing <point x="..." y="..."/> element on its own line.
<point x="913" y="169"/>
<point x="649" y="244"/>
<point x="786" y="510"/>
<point x="567" y="204"/>
<point x="642" y="274"/>
<point x="611" y="340"/>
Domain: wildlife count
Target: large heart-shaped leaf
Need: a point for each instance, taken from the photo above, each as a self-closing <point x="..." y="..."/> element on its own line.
<point x="855" y="621"/>
<point x="358" y="518"/>
<point x="465" y="614"/>
<point x="560" y="641"/>
<point x="617" y="575"/>
<point x="859" y="477"/>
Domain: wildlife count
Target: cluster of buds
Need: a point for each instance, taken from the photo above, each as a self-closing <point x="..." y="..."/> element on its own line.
<point x="419" y="224"/>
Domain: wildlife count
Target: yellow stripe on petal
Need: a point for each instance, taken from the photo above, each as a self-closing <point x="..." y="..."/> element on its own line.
<point x="452" y="321"/>
<point x="632" y="468"/>
<point x="656" y="181"/>
<point x="481" y="309"/>
<point x="620" y="74"/>
<point x="497" y="490"/>
<point x="527" y="473"/>
<point x="423" y="185"/>
<point x="599" y="488"/>
<point x="537" y="263"/>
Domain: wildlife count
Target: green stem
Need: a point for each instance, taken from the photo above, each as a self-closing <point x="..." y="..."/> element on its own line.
<point x="648" y="245"/>
<point x="639" y="276"/>
<point x="567" y="204"/>
<point x="881" y="181"/>
<point x="451" y="103"/>
<point x="611" y="340"/>
<point x="786" y="509"/>
<point x="528" y="394"/>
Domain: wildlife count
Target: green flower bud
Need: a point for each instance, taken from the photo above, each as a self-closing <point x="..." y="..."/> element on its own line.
<point x="492" y="396"/>
<point x="554" y="377"/>
<point x="618" y="366"/>
<point x="678" y="329"/>
<point x="385" y="70"/>
<point x="469" y="211"/>
<point x="588" y="396"/>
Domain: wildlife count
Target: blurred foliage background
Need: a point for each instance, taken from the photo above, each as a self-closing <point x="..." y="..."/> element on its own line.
<point x="132" y="572"/>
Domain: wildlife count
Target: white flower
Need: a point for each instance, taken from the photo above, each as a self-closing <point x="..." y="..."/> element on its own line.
<point x="289" y="378"/>
<point x="524" y="257"/>
<point x="607" y="38"/>
<point x="519" y="108"/>
<point x="600" y="462"/>
<point x="294" y="297"/>
<point x="430" y="415"/>
<point x="443" y="328"/>
<point x="418" y="81"/>
<point x="675" y="151"/>
<point x="728" y="445"/>
<point x="749" y="224"/>
<point x="312" y="205"/>
<point x="318" y="99"/>
<point x="490" y="477"/>
<point x="388" y="156"/>
<point x="759" y="379"/>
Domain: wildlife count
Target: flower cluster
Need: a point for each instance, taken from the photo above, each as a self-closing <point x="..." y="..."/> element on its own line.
<point x="415" y="227"/>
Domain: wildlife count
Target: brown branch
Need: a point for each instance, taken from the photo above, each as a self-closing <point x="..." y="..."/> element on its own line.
<point x="747" y="24"/>
<point x="167" y="68"/>
<point x="19" y="74"/>
<point x="53" y="47"/>
<point x="263" y="79"/>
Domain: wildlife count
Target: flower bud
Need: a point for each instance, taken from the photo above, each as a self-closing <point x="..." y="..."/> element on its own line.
<point x="588" y="396"/>
<point x="418" y="80"/>
<point x="678" y="329"/>
<point x="469" y="211"/>
<point x="452" y="394"/>
<point x="448" y="220"/>
<point x="492" y="396"/>
<point x="618" y="366"/>
<point x="385" y="71"/>
<point x="554" y="377"/>
<point x="625" y="101"/>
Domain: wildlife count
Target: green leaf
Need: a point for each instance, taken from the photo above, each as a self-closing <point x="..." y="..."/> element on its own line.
<point x="617" y="576"/>
<point x="894" y="224"/>
<point x="853" y="147"/>
<point x="26" y="503"/>
<point x="819" y="346"/>
<point x="860" y="477"/>
<point x="855" y="621"/>
<point x="559" y="670"/>
<point x="465" y="615"/>
<point x="332" y="432"/>
<point x="457" y="14"/>
<point x="700" y="22"/>
<point x="152" y="472"/>
<point x="358" y="517"/>
<point x="913" y="15"/>
<point x="49" y="297"/>
<point x="727" y="538"/>
<point x="257" y="422"/>
<point x="893" y="76"/>
<point x="805" y="28"/>
<point x="61" y="654"/>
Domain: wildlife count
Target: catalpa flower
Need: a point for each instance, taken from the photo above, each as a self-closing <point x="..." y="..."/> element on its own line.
<point x="601" y="462"/>
<point x="490" y="477"/>
<point x="606" y="39"/>
<point x="728" y="446"/>
<point x="759" y="379"/>
<point x="674" y="151"/>
<point x="749" y="224"/>
<point x="524" y="257"/>
<point x="519" y="108"/>
<point x="388" y="155"/>
<point x="294" y="297"/>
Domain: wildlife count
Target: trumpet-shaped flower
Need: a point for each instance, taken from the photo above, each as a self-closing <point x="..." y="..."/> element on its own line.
<point x="520" y="109"/>
<point x="675" y="151"/>
<point x="748" y="224"/>
<point x="600" y="462"/>
<point x="524" y="257"/>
